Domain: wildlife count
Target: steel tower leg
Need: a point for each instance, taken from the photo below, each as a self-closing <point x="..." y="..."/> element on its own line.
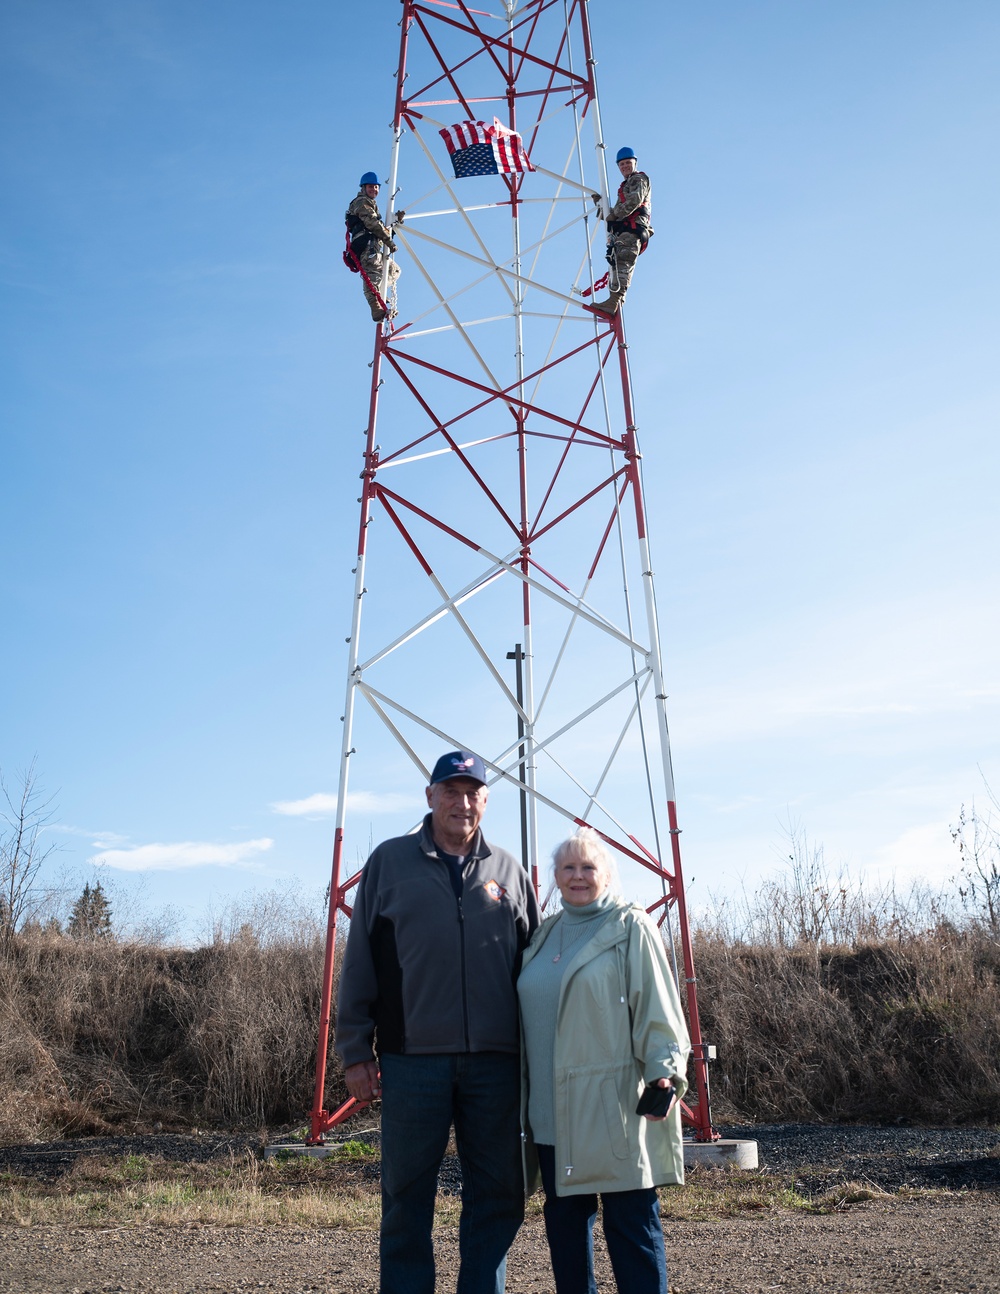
<point x="509" y="475"/>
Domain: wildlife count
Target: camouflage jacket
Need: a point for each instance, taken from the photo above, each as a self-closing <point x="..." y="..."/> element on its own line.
<point x="364" y="211"/>
<point x="634" y="200"/>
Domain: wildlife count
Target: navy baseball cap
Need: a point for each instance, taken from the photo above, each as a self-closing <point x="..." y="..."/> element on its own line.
<point x="459" y="763"/>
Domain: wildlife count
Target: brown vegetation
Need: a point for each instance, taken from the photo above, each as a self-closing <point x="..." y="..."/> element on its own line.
<point x="824" y="1001"/>
<point x="829" y="1000"/>
<point x="101" y="1034"/>
<point x="897" y="1031"/>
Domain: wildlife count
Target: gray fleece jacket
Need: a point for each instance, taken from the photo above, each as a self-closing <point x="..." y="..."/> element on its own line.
<point x="427" y="972"/>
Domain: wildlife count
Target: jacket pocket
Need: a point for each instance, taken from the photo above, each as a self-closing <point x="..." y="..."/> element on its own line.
<point x="614" y="1117"/>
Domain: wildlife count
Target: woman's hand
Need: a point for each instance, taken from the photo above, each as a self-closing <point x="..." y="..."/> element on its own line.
<point x="659" y="1118"/>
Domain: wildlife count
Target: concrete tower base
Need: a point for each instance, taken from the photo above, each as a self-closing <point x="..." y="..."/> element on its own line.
<point x="721" y="1154"/>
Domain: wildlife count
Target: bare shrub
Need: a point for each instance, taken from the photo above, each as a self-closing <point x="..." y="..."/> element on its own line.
<point x="100" y="1033"/>
<point x="810" y="902"/>
<point x="827" y="999"/>
<point x="21" y="852"/>
<point x="248" y="1049"/>
<point x="909" y="1030"/>
<point x="977" y="836"/>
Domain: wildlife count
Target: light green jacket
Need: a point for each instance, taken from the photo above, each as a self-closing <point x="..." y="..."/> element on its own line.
<point x="619" y="1026"/>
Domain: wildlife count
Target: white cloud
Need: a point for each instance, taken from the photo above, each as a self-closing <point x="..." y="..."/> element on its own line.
<point x="924" y="853"/>
<point x="184" y="854"/>
<point x="320" y="805"/>
<point x="100" y="839"/>
<point x="107" y="839"/>
<point x="324" y="805"/>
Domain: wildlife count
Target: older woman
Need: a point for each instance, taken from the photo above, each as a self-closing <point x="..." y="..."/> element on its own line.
<point x="601" y="1022"/>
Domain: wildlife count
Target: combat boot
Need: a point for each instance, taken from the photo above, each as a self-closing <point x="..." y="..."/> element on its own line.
<point x="610" y="305"/>
<point x="378" y="314"/>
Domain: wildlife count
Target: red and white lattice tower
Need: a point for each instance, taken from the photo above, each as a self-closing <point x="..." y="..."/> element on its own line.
<point x="504" y="599"/>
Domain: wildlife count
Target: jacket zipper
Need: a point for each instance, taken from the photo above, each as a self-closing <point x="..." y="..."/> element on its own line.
<point x="568" y="1171"/>
<point x="465" y="992"/>
<point x="568" y="1168"/>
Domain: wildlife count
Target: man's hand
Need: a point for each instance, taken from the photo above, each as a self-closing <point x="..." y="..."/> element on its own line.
<point x="400" y="215"/>
<point x="362" y="1080"/>
<point x="391" y="246"/>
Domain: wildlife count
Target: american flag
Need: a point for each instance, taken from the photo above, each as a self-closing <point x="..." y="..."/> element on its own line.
<point x="479" y="149"/>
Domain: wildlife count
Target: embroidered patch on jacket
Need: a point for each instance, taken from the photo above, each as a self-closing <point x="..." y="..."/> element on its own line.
<point x="495" y="890"/>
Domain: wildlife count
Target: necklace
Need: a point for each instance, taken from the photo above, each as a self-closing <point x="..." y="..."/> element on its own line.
<point x="585" y="929"/>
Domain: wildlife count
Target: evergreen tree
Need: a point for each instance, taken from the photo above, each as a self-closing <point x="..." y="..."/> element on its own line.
<point x="91" y="915"/>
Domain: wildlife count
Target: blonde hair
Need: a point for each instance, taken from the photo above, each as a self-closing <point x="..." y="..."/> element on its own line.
<point x="585" y="843"/>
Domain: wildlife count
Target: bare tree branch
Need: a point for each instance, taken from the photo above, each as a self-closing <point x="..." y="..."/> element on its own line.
<point x="27" y="813"/>
<point x="977" y="836"/>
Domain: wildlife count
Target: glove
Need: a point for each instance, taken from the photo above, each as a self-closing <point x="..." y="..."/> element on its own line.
<point x="399" y="218"/>
<point x="599" y="205"/>
<point x="391" y="246"/>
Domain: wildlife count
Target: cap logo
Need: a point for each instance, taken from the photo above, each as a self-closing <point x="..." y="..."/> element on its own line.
<point x="462" y="763"/>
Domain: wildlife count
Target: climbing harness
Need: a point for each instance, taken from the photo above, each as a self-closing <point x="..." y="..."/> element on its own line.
<point x="352" y="260"/>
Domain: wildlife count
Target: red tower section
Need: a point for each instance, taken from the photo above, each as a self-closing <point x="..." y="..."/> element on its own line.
<point x="504" y="589"/>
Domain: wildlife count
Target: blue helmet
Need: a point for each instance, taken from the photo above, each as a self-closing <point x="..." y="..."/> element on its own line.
<point x="369" y="177"/>
<point x="624" y="154"/>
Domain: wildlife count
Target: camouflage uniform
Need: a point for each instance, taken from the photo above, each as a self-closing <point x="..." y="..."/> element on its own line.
<point x="624" y="243"/>
<point x="372" y="254"/>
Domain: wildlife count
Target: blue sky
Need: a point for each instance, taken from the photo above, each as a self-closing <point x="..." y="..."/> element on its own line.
<point x="814" y="341"/>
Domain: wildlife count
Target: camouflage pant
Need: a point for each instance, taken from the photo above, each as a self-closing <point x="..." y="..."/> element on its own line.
<point x="373" y="262"/>
<point x="623" y="252"/>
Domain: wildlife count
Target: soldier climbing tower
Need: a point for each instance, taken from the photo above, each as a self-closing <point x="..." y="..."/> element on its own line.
<point x="504" y="595"/>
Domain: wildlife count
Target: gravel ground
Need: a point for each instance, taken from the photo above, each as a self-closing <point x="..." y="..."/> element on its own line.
<point x="814" y="1156"/>
<point x="944" y="1243"/>
<point x="819" y="1157"/>
<point x="51" y="1159"/>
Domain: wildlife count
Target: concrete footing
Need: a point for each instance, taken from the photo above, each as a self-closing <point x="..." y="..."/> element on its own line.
<point x="721" y="1154"/>
<point x="299" y="1148"/>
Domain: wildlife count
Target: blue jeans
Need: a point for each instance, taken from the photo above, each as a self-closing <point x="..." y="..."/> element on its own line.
<point x="631" y="1221"/>
<point x="422" y="1096"/>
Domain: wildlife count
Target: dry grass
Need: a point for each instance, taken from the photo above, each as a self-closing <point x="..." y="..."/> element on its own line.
<point x="823" y="1002"/>
<point x="325" y="1193"/>
<point x="829" y="1000"/>
<point x="100" y="1035"/>
<point x="903" y="1029"/>
<point x="719" y="1193"/>
<point x="247" y="1191"/>
<point x="722" y="1193"/>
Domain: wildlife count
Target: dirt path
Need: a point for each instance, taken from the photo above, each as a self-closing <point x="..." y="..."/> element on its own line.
<point x="947" y="1244"/>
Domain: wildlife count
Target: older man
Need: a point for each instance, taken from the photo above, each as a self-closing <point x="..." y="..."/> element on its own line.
<point x="629" y="230"/>
<point x="440" y="921"/>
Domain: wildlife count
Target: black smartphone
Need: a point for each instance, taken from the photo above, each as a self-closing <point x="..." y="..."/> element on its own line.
<point x="656" y="1100"/>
